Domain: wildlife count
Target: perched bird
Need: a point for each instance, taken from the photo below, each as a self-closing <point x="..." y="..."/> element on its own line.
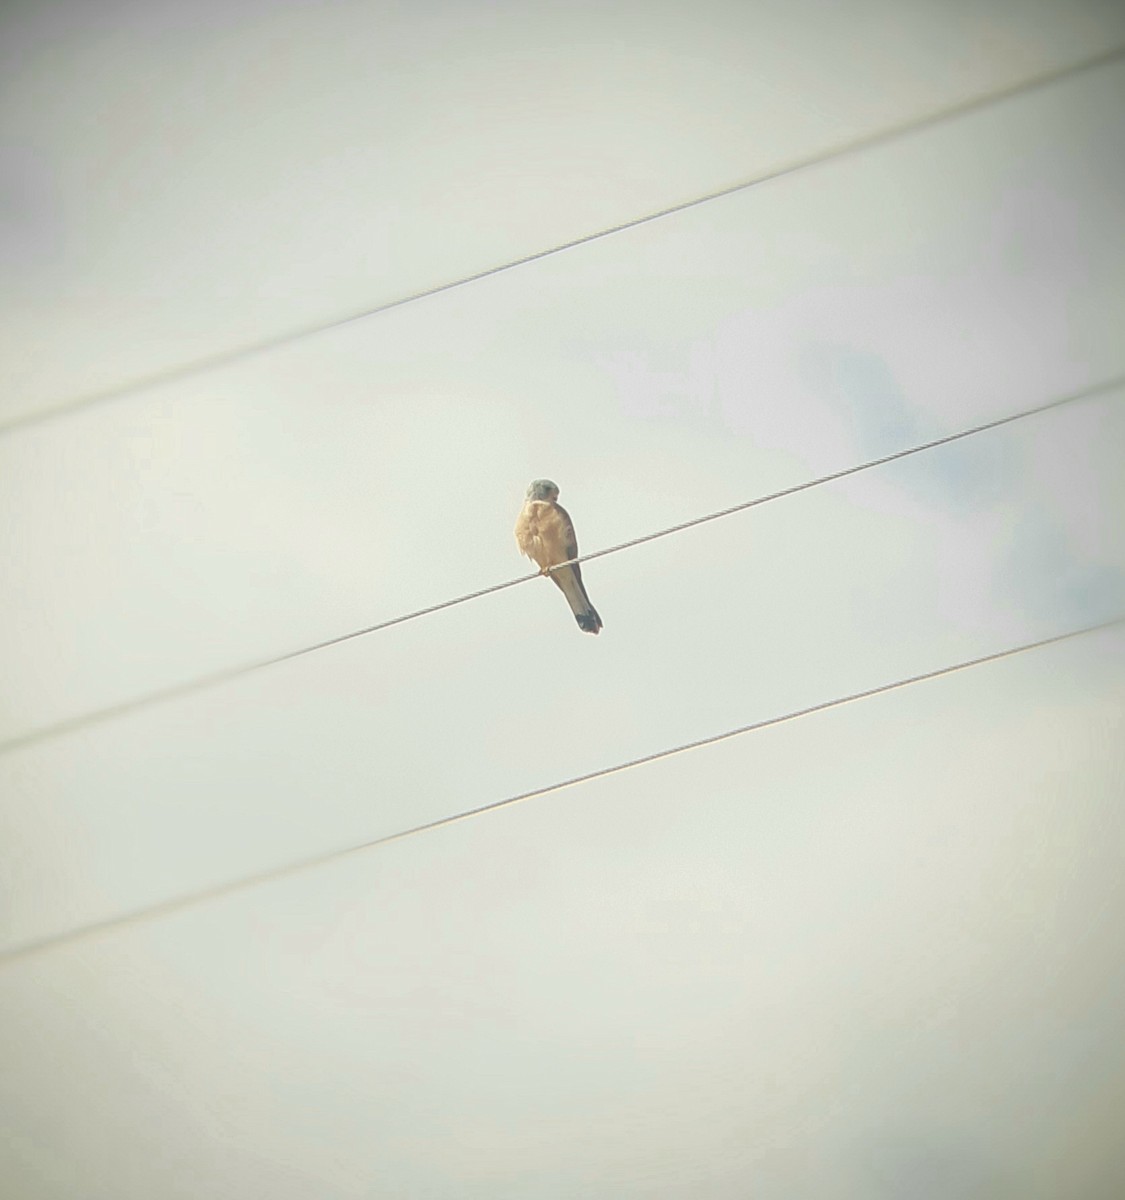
<point x="545" y="534"/>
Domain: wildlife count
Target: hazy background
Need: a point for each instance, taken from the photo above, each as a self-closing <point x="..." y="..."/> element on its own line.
<point x="872" y="953"/>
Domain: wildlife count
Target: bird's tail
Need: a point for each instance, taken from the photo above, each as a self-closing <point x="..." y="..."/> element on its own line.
<point x="569" y="580"/>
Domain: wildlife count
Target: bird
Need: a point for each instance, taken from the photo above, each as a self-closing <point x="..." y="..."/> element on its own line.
<point x="544" y="533"/>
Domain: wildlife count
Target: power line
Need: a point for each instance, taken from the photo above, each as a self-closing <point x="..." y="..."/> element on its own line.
<point x="857" y="145"/>
<point x="192" y="899"/>
<point x="1084" y="394"/>
<point x="226" y="675"/>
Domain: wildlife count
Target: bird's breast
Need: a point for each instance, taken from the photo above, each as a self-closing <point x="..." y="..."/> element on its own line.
<point x="530" y="531"/>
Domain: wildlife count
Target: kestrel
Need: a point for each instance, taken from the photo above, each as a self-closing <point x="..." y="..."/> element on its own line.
<point x="545" y="534"/>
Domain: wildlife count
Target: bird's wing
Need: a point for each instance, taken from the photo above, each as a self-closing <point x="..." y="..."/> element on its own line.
<point x="564" y="546"/>
<point x="564" y="541"/>
<point x="567" y="544"/>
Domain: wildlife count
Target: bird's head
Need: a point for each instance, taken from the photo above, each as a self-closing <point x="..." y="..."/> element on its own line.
<point x="543" y="489"/>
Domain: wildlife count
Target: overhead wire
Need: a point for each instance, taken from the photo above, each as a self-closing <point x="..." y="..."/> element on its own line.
<point x="177" y="904"/>
<point x="224" y="358"/>
<point x="228" y="674"/>
<point x="228" y="357"/>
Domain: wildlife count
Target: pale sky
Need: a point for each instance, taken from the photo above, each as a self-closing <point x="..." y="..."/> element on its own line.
<point x="871" y="953"/>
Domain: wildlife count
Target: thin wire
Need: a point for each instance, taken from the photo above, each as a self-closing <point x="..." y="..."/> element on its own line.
<point x="842" y="150"/>
<point x="204" y="895"/>
<point x="1073" y="397"/>
<point x="201" y="683"/>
